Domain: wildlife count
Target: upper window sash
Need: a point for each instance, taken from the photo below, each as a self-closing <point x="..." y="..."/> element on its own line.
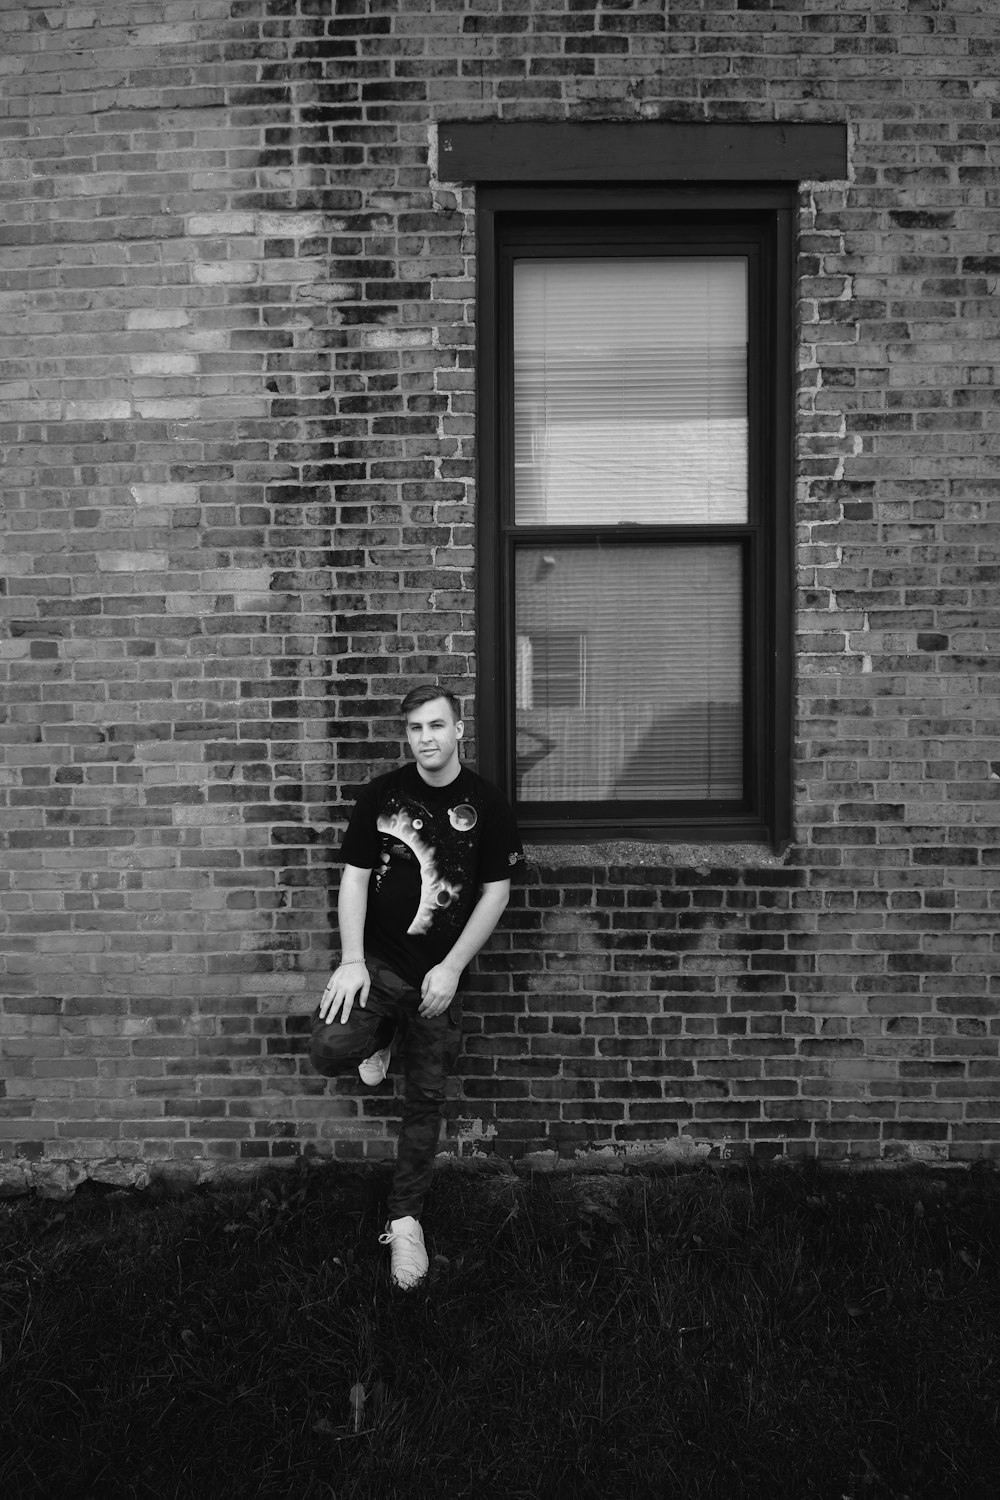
<point x="630" y="390"/>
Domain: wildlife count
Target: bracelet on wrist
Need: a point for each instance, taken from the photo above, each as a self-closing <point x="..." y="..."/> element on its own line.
<point x="349" y="963"/>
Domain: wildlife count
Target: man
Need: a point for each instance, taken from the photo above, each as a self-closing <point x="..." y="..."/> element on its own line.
<point x="428" y="858"/>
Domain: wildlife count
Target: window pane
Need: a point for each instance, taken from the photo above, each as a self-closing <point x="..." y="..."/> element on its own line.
<point x="630" y="391"/>
<point x="629" y="673"/>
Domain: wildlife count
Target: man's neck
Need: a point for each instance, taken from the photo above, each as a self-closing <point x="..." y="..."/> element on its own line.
<point x="444" y="777"/>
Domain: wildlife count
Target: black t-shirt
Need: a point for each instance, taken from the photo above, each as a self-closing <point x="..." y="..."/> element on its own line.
<point x="430" y="850"/>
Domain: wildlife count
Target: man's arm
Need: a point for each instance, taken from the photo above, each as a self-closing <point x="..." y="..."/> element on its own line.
<point x="441" y="982"/>
<point x="350" y="981"/>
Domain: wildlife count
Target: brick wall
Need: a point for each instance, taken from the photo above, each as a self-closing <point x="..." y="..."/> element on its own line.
<point x="237" y="414"/>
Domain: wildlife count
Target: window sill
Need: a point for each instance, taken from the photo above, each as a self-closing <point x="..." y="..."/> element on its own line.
<point x="633" y="853"/>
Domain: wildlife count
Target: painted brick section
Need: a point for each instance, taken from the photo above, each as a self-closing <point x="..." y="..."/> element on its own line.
<point x="237" y="415"/>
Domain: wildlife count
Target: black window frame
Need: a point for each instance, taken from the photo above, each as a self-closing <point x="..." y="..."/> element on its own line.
<point x="631" y="220"/>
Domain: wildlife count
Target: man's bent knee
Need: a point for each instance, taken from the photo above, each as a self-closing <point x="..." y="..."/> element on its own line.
<point x="333" y="1048"/>
<point x="329" y="1066"/>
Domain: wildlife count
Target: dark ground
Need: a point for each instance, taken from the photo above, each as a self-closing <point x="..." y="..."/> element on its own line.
<point x="781" y="1334"/>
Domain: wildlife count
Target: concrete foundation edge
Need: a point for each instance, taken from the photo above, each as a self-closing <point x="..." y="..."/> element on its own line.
<point x="59" y="1179"/>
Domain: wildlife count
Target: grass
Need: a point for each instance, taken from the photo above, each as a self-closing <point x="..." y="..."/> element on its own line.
<point x="777" y="1334"/>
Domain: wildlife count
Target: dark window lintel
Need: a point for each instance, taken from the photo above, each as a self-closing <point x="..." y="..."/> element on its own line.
<point x="647" y="151"/>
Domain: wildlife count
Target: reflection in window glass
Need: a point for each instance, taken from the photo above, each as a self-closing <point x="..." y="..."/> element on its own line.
<point x="551" y="670"/>
<point x="657" y="633"/>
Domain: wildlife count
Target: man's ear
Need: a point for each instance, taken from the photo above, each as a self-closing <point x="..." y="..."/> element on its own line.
<point x="459" y="729"/>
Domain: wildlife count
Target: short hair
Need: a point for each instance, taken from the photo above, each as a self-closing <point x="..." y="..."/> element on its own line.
<point x="426" y="693"/>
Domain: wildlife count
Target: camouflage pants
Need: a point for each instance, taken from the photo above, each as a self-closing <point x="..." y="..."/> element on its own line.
<point x="429" y="1047"/>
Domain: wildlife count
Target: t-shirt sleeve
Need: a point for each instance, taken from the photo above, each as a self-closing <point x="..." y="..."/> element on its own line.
<point x="360" y="845"/>
<point x="501" y="853"/>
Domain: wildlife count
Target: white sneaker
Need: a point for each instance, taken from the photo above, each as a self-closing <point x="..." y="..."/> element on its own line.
<point x="373" y="1069"/>
<point x="409" y="1258"/>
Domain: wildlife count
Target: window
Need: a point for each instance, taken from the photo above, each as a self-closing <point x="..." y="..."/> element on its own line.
<point x="634" y="546"/>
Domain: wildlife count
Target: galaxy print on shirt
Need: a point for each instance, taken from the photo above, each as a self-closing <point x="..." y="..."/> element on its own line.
<point x="440" y="866"/>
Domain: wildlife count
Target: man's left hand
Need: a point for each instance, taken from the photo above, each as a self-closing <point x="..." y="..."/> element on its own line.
<point x="438" y="990"/>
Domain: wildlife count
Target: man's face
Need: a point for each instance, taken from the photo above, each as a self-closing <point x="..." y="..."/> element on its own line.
<point x="434" y="733"/>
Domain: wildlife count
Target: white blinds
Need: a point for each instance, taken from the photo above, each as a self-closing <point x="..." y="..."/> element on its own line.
<point x="630" y="391"/>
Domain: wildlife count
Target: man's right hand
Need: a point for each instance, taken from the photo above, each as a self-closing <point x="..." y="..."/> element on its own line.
<point x="348" y="983"/>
